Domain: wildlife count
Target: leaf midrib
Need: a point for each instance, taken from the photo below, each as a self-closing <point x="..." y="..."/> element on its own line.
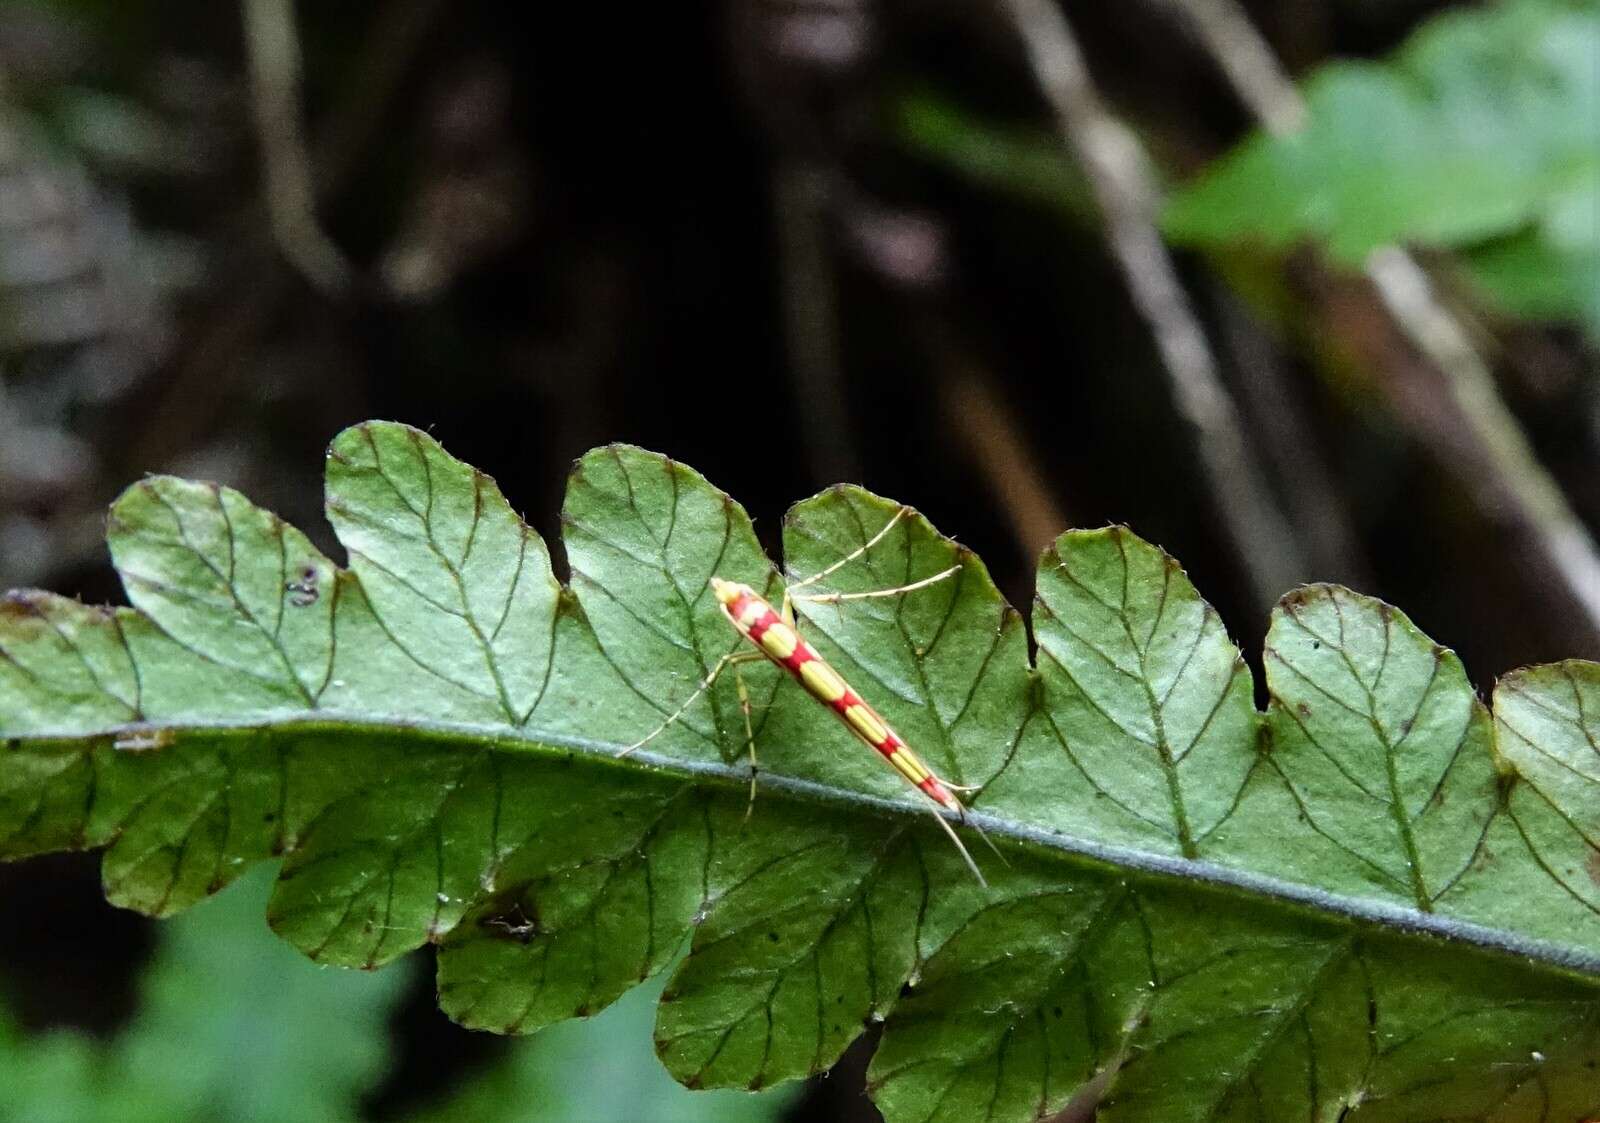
<point x="1556" y="959"/>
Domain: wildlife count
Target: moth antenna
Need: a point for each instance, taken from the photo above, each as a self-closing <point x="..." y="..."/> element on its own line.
<point x="961" y="846"/>
<point x="983" y="834"/>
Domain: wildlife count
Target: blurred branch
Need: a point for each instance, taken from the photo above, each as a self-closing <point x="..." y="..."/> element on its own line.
<point x="1124" y="187"/>
<point x="811" y="314"/>
<point x="999" y="447"/>
<point x="273" y="46"/>
<point x="1520" y="486"/>
<point x="1247" y="61"/>
<point x="1321" y="515"/>
<point x="195" y="393"/>
<point x="1534" y="499"/>
<point x="391" y="45"/>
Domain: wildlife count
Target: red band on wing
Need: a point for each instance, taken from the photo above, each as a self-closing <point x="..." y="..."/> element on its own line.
<point x="763" y="622"/>
<point x="799" y="657"/>
<point x="846" y="700"/>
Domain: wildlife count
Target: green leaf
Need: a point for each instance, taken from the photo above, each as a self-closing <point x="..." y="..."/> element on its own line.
<point x="1540" y="278"/>
<point x="1372" y="902"/>
<point x="1478" y="134"/>
<point x="1548" y="725"/>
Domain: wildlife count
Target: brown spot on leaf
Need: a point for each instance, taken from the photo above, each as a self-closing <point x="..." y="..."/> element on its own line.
<point x="303" y="591"/>
<point x="1593" y="865"/>
<point x="1302" y="709"/>
<point x="22" y="605"/>
<point x="512" y="923"/>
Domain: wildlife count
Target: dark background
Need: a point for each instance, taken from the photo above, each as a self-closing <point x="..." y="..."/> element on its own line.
<point x="693" y="227"/>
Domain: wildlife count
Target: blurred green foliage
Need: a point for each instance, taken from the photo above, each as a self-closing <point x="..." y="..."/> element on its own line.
<point x="1481" y="134"/>
<point x="234" y="1024"/>
<point x="603" y="1070"/>
<point x="1021" y="161"/>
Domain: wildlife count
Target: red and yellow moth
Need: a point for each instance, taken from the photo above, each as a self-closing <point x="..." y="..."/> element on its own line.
<point x="774" y="634"/>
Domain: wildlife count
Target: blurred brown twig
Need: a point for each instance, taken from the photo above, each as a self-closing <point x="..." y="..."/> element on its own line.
<point x="811" y="315"/>
<point x="995" y="440"/>
<point x="273" y="48"/>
